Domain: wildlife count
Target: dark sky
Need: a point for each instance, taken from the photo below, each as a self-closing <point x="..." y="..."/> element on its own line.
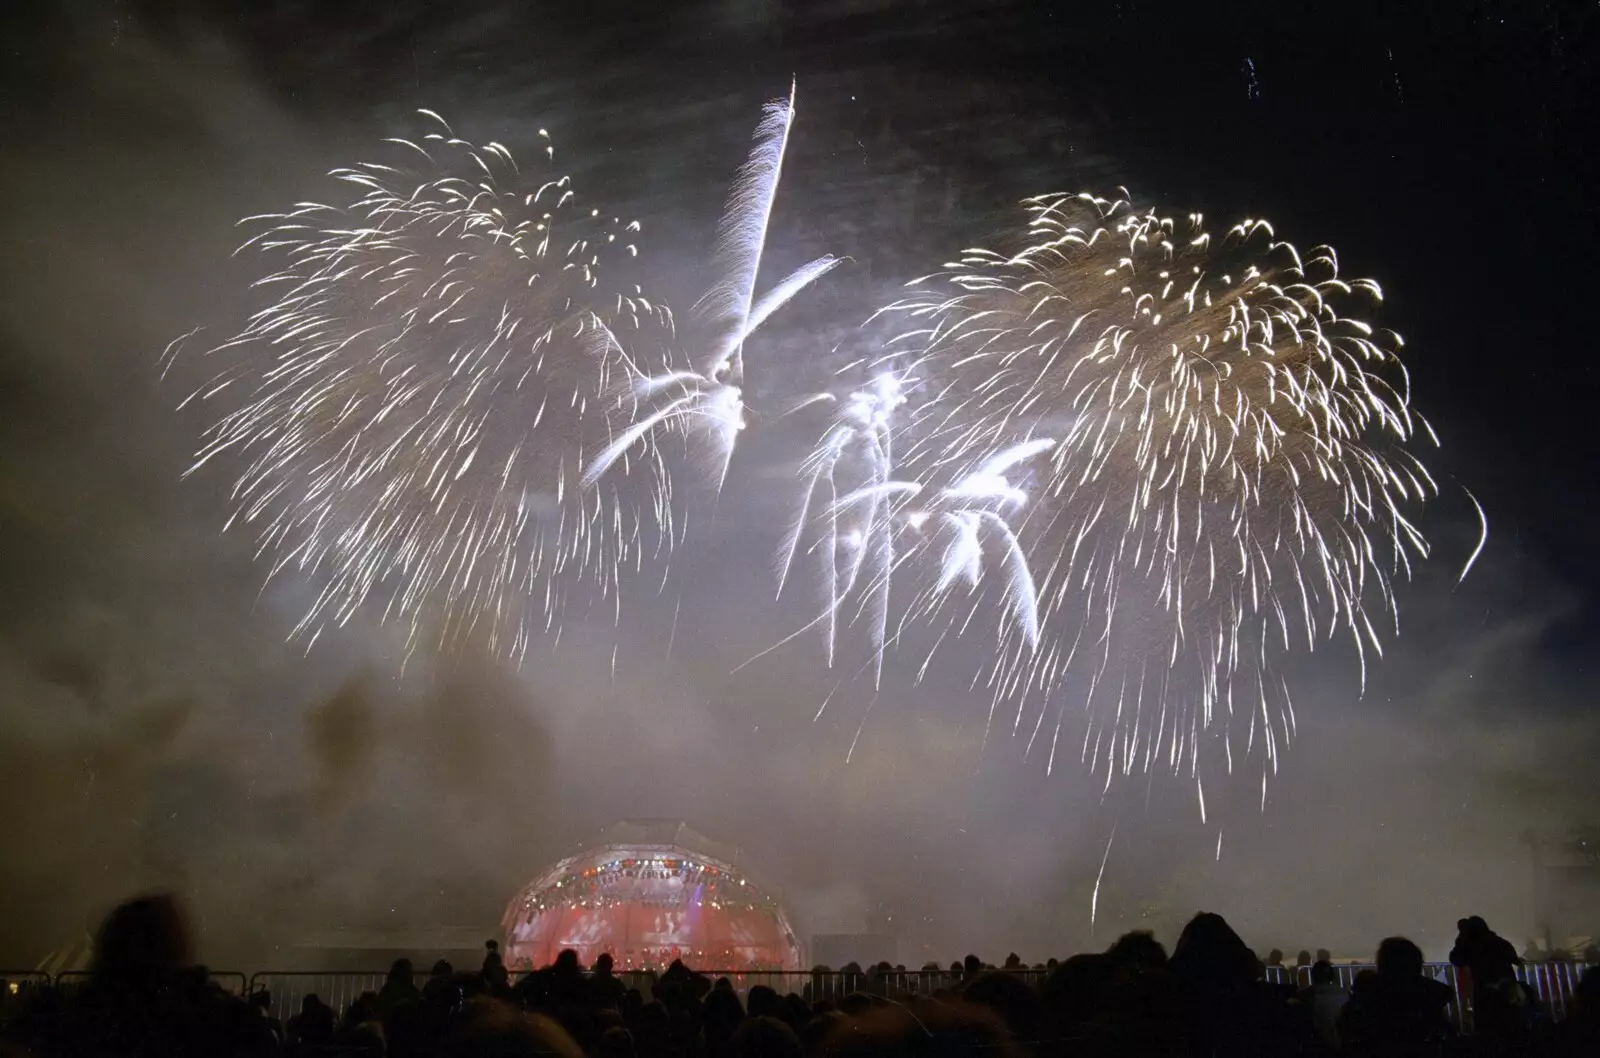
<point x="155" y="729"/>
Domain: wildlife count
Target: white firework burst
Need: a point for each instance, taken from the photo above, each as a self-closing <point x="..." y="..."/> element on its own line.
<point x="1152" y="457"/>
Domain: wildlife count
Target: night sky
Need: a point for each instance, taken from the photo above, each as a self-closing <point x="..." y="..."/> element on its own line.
<point x="157" y="730"/>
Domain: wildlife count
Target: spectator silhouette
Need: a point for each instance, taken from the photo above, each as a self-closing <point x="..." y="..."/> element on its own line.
<point x="495" y="975"/>
<point x="605" y="987"/>
<point x="314" y="1026"/>
<point x="397" y="988"/>
<point x="142" y="944"/>
<point x="1226" y="1007"/>
<point x="489" y="1028"/>
<point x="568" y="987"/>
<point x="261" y="1007"/>
<point x="1071" y="993"/>
<point x="441" y="988"/>
<point x="1138" y="1007"/>
<point x="920" y="1029"/>
<point x="1579" y="1034"/>
<point x="1009" y="998"/>
<point x="764" y="1037"/>
<point x="796" y="1011"/>
<point x="144" y="998"/>
<point x="1324" y="1000"/>
<point x="360" y="1032"/>
<point x="1500" y="1006"/>
<point x="615" y="1042"/>
<point x="819" y="1030"/>
<point x="1395" y="1006"/>
<point x="763" y="1002"/>
<point x="1489" y="956"/>
<point x="1211" y="956"/>
<point x="722" y="1014"/>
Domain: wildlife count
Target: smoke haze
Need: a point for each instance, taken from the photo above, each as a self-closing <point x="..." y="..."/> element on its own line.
<point x="157" y="729"/>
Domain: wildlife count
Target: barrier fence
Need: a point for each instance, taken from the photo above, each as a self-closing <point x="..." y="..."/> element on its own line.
<point x="14" y="982"/>
<point x="1346" y="973"/>
<point x="340" y="988"/>
<point x="1555" y="983"/>
<point x="287" y="989"/>
<point x="230" y="981"/>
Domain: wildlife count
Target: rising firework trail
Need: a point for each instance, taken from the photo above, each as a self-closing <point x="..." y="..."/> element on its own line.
<point x="1148" y="460"/>
<point x="456" y="409"/>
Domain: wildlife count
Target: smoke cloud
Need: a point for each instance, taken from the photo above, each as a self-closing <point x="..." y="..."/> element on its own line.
<point x="159" y="729"/>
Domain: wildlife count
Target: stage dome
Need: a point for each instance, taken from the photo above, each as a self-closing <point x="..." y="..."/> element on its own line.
<point x="650" y="892"/>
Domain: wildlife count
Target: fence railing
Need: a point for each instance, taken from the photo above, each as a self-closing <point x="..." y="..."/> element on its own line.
<point x="14" y="982"/>
<point x="1555" y="983"/>
<point x="1298" y="977"/>
<point x="230" y="981"/>
<point x="20" y="977"/>
<point x="339" y="988"/>
<point x="287" y="989"/>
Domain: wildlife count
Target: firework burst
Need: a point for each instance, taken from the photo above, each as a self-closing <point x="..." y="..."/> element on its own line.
<point x="416" y="405"/>
<point x="453" y="411"/>
<point x="1151" y="457"/>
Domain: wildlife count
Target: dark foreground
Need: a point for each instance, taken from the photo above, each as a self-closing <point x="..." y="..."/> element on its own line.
<point x="1210" y="997"/>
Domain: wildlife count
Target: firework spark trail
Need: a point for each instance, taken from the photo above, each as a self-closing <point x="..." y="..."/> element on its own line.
<point x="1094" y="898"/>
<point x="1136" y="447"/>
<point x="730" y="308"/>
<point x="1483" y="536"/>
<point x="744" y="237"/>
<point x="451" y="412"/>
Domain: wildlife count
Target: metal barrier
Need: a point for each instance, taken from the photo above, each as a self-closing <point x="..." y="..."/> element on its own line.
<point x="15" y="984"/>
<point x="11" y="980"/>
<point x="832" y="985"/>
<point x="230" y="981"/>
<point x="336" y="988"/>
<point x="1555" y="983"/>
<point x="339" y="988"/>
<point x="1298" y="977"/>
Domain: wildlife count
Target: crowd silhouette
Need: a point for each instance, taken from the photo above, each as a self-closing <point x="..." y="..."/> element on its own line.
<point x="1211" y="997"/>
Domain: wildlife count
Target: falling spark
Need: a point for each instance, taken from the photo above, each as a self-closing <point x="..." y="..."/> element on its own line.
<point x="672" y="636"/>
<point x="1094" y="898"/>
<point x="1483" y="536"/>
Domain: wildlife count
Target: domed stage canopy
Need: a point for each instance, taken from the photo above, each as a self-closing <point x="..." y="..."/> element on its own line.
<point x="649" y="892"/>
